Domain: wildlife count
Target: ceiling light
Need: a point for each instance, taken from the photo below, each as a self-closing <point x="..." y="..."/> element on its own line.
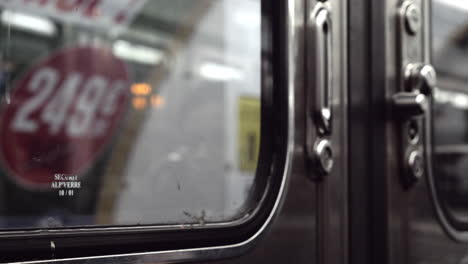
<point x="137" y="53"/>
<point x="28" y="22"/>
<point x="218" y="72"/>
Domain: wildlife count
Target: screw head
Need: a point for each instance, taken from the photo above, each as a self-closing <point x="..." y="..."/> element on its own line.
<point x="413" y="131"/>
<point x="412" y="19"/>
<point x="416" y="164"/>
<point x="420" y="77"/>
<point x="323" y="156"/>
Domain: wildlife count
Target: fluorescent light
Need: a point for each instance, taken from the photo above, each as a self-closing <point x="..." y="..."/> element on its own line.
<point x="137" y="53"/>
<point x="218" y="72"/>
<point x="28" y="22"/>
<point x="458" y="4"/>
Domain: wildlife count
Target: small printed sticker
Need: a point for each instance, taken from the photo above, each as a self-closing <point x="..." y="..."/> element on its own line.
<point x="66" y="184"/>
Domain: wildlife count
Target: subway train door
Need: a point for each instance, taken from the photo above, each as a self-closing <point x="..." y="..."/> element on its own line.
<point x="173" y="131"/>
<point x="418" y="188"/>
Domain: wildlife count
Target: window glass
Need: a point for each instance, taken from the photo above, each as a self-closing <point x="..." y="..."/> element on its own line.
<point x="450" y="58"/>
<point x="128" y="112"/>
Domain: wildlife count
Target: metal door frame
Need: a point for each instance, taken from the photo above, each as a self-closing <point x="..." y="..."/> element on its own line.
<point x="332" y="189"/>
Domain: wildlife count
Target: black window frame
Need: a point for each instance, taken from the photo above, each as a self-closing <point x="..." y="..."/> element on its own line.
<point x="22" y="245"/>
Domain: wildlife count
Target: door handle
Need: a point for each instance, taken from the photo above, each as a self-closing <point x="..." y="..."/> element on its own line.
<point x="413" y="107"/>
<point x="420" y="80"/>
<point x="321" y="64"/>
<point x="320" y="87"/>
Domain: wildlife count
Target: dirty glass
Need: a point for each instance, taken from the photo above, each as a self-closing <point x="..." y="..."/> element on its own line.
<point x="128" y="112"/>
<point x="450" y="58"/>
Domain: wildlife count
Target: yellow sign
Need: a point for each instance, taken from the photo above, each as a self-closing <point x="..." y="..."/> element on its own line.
<point x="248" y="133"/>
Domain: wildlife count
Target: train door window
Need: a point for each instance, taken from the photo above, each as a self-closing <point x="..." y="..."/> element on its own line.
<point x="450" y="59"/>
<point x="130" y="113"/>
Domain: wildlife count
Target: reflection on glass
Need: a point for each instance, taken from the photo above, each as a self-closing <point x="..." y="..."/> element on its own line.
<point x="450" y="58"/>
<point x="118" y="112"/>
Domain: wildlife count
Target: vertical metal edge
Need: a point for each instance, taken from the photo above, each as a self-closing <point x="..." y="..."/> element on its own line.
<point x="345" y="116"/>
<point x="337" y="187"/>
<point x="385" y="225"/>
<point x="358" y="58"/>
<point x="397" y="217"/>
<point x="427" y="45"/>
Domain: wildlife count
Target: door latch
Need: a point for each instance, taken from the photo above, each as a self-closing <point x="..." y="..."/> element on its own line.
<point x="420" y="81"/>
<point x="412" y="104"/>
<point x="412" y="108"/>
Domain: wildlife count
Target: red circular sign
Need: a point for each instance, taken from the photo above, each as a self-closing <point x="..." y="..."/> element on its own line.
<point x="61" y="115"/>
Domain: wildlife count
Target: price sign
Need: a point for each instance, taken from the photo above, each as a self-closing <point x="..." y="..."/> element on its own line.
<point x="62" y="114"/>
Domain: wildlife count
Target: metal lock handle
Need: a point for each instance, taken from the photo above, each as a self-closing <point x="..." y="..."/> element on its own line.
<point x="414" y="105"/>
<point x="319" y="98"/>
<point x="420" y="81"/>
<point x="420" y="77"/>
